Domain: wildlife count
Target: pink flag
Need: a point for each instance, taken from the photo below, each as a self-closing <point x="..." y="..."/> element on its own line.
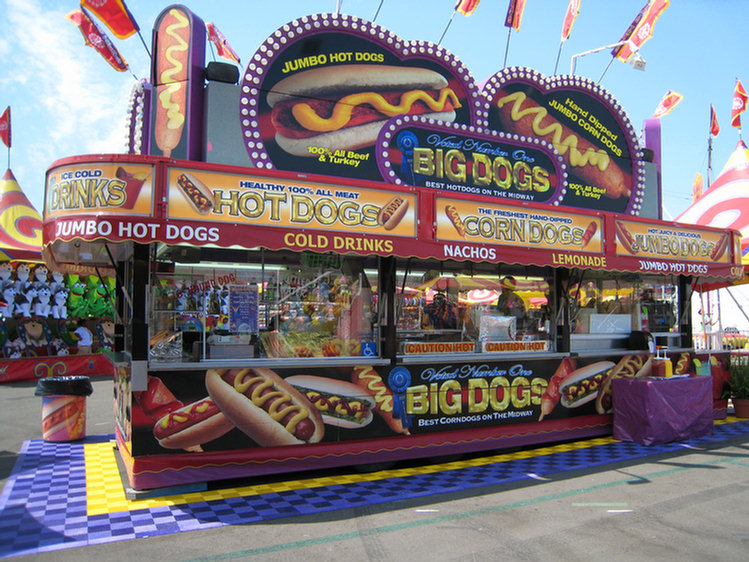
<point x="714" y="127"/>
<point x="572" y="10"/>
<point x="222" y="45"/>
<point x="515" y="14"/>
<point x="739" y="104"/>
<point x="96" y="38"/>
<point x="641" y="29"/>
<point x="669" y="101"/>
<point x="114" y="14"/>
<point x="466" y="7"/>
<point x="5" y="127"/>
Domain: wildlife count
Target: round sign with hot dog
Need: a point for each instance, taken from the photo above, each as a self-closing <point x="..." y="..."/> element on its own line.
<point x="584" y="124"/>
<point x="318" y="91"/>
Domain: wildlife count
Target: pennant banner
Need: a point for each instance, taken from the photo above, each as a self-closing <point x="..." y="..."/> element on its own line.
<point x="641" y="29"/>
<point x="96" y="38"/>
<point x="222" y="45"/>
<point x="572" y="10"/>
<point x="466" y="7"/>
<point x="739" y="104"/>
<point x="5" y="127"/>
<point x="667" y="104"/>
<point x="714" y="127"/>
<point x="697" y="187"/>
<point x="515" y="14"/>
<point x="114" y="14"/>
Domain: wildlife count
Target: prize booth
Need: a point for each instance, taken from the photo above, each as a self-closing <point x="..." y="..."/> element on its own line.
<point x="468" y="272"/>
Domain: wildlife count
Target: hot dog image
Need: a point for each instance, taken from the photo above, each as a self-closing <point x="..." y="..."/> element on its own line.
<point x="583" y="384"/>
<point x="157" y="400"/>
<point x="521" y="115"/>
<point x="455" y="220"/>
<point x="625" y="238"/>
<point x="196" y="193"/>
<point x="266" y="408"/>
<point x="372" y="383"/>
<point x="629" y="366"/>
<point x="191" y="425"/>
<point x="345" y="106"/>
<point x="588" y="234"/>
<point x="340" y="403"/>
<point x="550" y="397"/>
<point x="720" y="247"/>
<point x="391" y="214"/>
<point x="171" y="79"/>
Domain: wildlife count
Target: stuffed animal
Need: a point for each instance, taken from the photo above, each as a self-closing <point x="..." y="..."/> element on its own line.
<point x="14" y="348"/>
<point x="57" y="282"/>
<point x="40" y="275"/>
<point x="24" y="299"/>
<point x="6" y="270"/>
<point x="77" y="305"/>
<point x="60" y="304"/>
<point x="41" y="306"/>
<point x="9" y="296"/>
<point x="59" y="347"/>
<point x="22" y="276"/>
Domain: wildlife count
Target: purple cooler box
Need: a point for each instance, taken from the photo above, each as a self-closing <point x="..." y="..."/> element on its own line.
<point x="654" y="410"/>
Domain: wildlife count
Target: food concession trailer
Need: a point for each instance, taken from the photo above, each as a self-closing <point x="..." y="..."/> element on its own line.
<point x="313" y="301"/>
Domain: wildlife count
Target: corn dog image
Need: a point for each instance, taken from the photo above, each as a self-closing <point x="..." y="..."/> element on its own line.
<point x="171" y="75"/>
<point x="455" y="220"/>
<point x="521" y="115"/>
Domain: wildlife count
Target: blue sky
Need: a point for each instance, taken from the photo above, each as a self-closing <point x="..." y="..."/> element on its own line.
<point x="66" y="100"/>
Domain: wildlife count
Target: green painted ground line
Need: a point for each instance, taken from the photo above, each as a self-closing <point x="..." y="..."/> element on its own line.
<point x="446" y="518"/>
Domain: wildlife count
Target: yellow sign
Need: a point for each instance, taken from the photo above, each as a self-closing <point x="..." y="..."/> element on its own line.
<point x="238" y="198"/>
<point x="644" y="240"/>
<point x="515" y="226"/>
<point x="111" y="188"/>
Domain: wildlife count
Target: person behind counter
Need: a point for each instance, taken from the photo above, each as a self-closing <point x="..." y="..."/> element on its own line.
<point x="85" y="338"/>
<point x="509" y="303"/>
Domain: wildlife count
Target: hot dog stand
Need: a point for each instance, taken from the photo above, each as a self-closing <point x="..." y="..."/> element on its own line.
<point x="372" y="276"/>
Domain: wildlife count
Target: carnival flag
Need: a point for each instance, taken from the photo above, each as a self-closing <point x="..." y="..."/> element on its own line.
<point x="96" y="38"/>
<point x="222" y="45"/>
<point x="714" y="127"/>
<point x="739" y="104"/>
<point x="641" y="29"/>
<point x="669" y="101"/>
<point x="572" y="10"/>
<point x="515" y="14"/>
<point x="466" y="7"/>
<point x="114" y="14"/>
<point x="697" y="187"/>
<point x="5" y="127"/>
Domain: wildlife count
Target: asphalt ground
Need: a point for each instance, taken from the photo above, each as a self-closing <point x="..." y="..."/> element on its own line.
<point x="591" y="500"/>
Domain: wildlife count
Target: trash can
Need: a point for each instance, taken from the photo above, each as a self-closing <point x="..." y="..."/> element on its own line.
<point x="63" y="407"/>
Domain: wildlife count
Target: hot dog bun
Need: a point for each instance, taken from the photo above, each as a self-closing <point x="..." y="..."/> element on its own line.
<point x="345" y="106"/>
<point x="263" y="406"/>
<point x="521" y="115"/>
<point x="583" y="384"/>
<point x="197" y="194"/>
<point x="340" y="403"/>
<point x="629" y="366"/>
<point x="171" y="79"/>
<point x="191" y="425"/>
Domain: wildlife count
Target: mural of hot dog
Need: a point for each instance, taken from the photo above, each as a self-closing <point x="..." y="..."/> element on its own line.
<point x="265" y="407"/>
<point x="370" y="381"/>
<point x="340" y="403"/>
<point x="196" y="193"/>
<point x="191" y="425"/>
<point x="345" y="106"/>
<point x="629" y="366"/>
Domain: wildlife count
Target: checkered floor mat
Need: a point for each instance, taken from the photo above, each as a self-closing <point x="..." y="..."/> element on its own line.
<point x="63" y="495"/>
